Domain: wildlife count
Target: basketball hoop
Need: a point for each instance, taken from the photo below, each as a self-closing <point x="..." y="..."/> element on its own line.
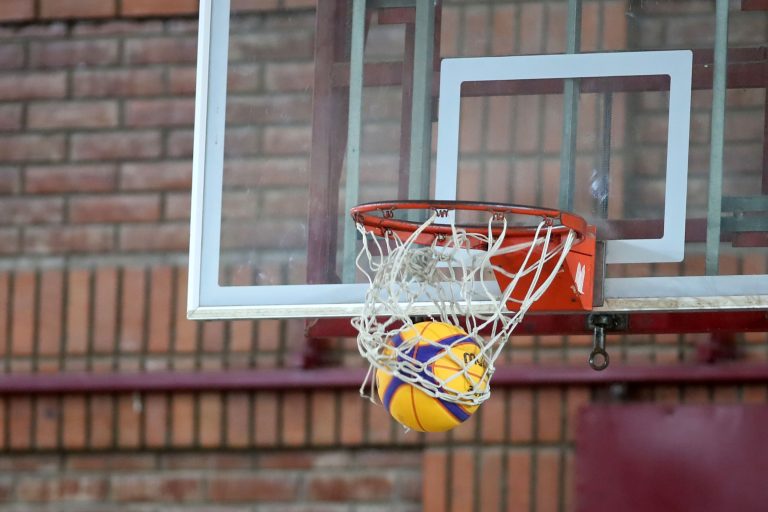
<point x="482" y="276"/>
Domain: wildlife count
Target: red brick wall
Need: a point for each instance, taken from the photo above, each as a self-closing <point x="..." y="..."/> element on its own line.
<point x="96" y="101"/>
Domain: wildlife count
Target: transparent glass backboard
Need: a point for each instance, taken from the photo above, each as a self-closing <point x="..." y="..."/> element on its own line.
<point x="303" y="113"/>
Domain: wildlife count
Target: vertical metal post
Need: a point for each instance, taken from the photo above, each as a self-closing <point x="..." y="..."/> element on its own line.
<point x="601" y="182"/>
<point x="328" y="144"/>
<point x="357" y="48"/>
<point x="717" y="137"/>
<point x="570" y="111"/>
<point x="421" y="115"/>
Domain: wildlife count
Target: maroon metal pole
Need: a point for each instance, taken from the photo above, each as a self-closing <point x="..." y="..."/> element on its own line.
<point x="346" y="379"/>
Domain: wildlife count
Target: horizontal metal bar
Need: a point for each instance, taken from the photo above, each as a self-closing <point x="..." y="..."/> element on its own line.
<point x="745" y="224"/>
<point x="746" y="204"/>
<point x="389" y="4"/>
<point x="747" y="69"/>
<point x="639" y="323"/>
<point x="345" y="378"/>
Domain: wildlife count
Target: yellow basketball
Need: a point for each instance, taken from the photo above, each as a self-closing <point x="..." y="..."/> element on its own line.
<point x="413" y="407"/>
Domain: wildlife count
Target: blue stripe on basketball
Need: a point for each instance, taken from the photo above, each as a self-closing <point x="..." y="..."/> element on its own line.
<point x="389" y="393"/>
<point x="426" y="352"/>
<point x="455" y="409"/>
<point x="396" y="340"/>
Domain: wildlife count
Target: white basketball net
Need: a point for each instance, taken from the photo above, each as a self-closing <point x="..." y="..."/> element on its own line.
<point x="408" y="279"/>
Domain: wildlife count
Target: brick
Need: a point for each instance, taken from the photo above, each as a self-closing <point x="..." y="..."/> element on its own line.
<point x="350" y="487"/>
<point x="182" y="80"/>
<point x="161" y="237"/>
<point x="74" y="422"/>
<point x="323" y="418"/>
<point x="244" y="78"/>
<point x="131" y="335"/>
<point x="351" y="423"/>
<point x="185" y="330"/>
<point x="114" y="208"/>
<point x="152" y="8"/>
<point x="531" y="24"/>
<point x="291" y="76"/>
<point x="161" y="50"/>
<point x="17" y="10"/>
<point x="25" y="210"/>
<point x="105" y="310"/>
<point x="277" y="109"/>
<point x="49" y="330"/>
<point x="6" y="490"/>
<point x="67" y="239"/>
<point x="180" y="144"/>
<point x="59" y="179"/>
<point x="234" y="489"/>
<point x="11" y="56"/>
<point x="70" y="54"/>
<point x="275" y="45"/>
<point x="265" y="419"/>
<point x="462" y="488"/>
<point x="78" y="307"/>
<point x="239" y="204"/>
<point x="53" y="9"/>
<point x="3" y="423"/>
<point x="238" y="413"/>
<point x="152" y="488"/>
<point x="300" y="4"/>
<point x="10" y="118"/>
<point x="20" y="422"/>
<point x="193" y="461"/>
<point x="117" y="27"/>
<point x="23" y="313"/>
<point x="380" y="423"/>
<point x="213" y="336"/>
<point x="278" y="141"/>
<point x="129" y="421"/>
<point x="166" y="175"/>
<point x="160" y="300"/>
<point x="518" y="480"/>
<point x="182" y="419"/>
<point x="177" y="206"/>
<point x="10" y="180"/>
<point x="293" y="460"/>
<point x="32" y="148"/>
<point x="67" y="489"/>
<point x="294" y="415"/>
<point x="5" y="303"/>
<point x="210" y="420"/>
<point x="72" y="114"/>
<point x="116" y="83"/>
<point x="165" y="112"/>
<point x="47" y="418"/>
<point x="490" y="485"/>
<point x="183" y="26"/>
<point x="9" y="240"/>
<point x="155" y="420"/>
<point x="547" y="488"/>
<point x="549" y="411"/>
<point x="254" y="5"/>
<point x="102" y="421"/>
<point x="116" y="145"/>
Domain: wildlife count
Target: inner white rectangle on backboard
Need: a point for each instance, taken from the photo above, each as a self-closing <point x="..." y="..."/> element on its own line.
<point x="677" y="65"/>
